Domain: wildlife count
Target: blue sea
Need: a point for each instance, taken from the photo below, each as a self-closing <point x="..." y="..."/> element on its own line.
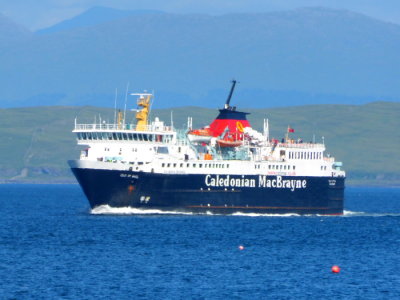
<point x="52" y="246"/>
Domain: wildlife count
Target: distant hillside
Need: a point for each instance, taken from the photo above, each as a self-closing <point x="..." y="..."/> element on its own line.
<point x="94" y="16"/>
<point x="11" y="33"/>
<point x="304" y="56"/>
<point x="37" y="142"/>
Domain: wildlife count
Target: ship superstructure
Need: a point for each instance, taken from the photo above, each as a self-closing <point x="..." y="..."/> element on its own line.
<point x="225" y="167"/>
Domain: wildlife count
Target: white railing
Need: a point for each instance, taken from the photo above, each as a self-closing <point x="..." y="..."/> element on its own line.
<point x="115" y="127"/>
<point x="301" y="145"/>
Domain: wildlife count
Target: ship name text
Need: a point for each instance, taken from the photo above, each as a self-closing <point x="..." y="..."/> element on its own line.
<point x="262" y="181"/>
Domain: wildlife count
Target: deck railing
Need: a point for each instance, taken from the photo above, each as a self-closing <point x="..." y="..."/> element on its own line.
<point x="117" y="127"/>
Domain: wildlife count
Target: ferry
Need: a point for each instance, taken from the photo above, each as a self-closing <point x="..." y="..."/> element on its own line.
<point x="225" y="167"/>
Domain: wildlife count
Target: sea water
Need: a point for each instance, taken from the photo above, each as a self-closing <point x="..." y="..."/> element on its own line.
<point x="52" y="246"/>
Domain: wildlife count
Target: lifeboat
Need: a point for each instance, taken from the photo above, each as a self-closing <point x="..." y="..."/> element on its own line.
<point x="230" y="140"/>
<point x="226" y="144"/>
<point x="202" y="135"/>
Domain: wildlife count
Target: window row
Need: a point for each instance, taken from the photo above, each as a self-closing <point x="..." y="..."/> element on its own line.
<point x="124" y="136"/>
<point x="194" y="165"/>
<point x="305" y="155"/>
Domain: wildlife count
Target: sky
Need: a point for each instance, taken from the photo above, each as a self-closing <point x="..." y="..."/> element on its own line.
<point x="38" y="14"/>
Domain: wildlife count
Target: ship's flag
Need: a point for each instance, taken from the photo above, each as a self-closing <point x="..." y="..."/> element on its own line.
<point x="290" y="129"/>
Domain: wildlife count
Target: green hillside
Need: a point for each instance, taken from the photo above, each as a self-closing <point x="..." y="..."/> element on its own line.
<point x="37" y="142"/>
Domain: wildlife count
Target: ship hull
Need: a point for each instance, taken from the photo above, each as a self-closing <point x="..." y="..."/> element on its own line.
<point x="224" y="194"/>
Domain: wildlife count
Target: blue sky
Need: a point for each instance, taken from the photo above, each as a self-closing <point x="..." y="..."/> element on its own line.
<point x="36" y="14"/>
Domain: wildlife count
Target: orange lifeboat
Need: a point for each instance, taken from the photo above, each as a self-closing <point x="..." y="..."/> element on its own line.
<point x="229" y="140"/>
<point x="225" y="144"/>
<point x="200" y="135"/>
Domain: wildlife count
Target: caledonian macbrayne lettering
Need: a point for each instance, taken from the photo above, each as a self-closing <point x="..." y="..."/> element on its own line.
<point x="262" y="181"/>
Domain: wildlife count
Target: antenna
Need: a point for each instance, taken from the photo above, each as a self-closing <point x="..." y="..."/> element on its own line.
<point x="115" y="105"/>
<point x="266" y="129"/>
<point x="126" y="99"/>
<point x="230" y="94"/>
<point x="152" y="98"/>
<point x="172" y="119"/>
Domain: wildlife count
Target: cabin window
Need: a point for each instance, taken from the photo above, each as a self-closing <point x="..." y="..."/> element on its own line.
<point x="200" y="165"/>
<point x="227" y="166"/>
<point x="294" y="167"/>
<point x="194" y="165"/>
<point x="162" y="150"/>
<point x="163" y="165"/>
<point x="174" y="165"/>
<point x="187" y="165"/>
<point x="181" y="165"/>
<point x="145" y="137"/>
<point x="168" y="165"/>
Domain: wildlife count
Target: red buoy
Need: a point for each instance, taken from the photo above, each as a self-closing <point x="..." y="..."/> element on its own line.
<point x="241" y="247"/>
<point x="335" y="269"/>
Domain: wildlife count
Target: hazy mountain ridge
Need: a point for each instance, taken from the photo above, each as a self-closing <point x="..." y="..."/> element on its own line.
<point x="340" y="55"/>
<point x="94" y="16"/>
<point x="11" y="32"/>
<point x="365" y="137"/>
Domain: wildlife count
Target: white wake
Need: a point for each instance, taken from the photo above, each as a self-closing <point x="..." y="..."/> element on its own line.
<point x="108" y="210"/>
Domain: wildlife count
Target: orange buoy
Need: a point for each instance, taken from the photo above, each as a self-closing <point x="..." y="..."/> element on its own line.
<point x="241" y="247"/>
<point x="335" y="269"/>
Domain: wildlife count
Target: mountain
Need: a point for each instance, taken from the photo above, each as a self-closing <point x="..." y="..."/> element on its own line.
<point x="304" y="56"/>
<point x="94" y="16"/>
<point x="11" y="33"/>
<point x="37" y="141"/>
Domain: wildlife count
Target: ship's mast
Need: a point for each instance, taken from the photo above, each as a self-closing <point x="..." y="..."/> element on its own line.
<point x="142" y="115"/>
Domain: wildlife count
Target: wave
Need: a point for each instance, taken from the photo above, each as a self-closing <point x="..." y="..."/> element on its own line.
<point x="108" y="210"/>
<point x="348" y="213"/>
<point x="243" y="214"/>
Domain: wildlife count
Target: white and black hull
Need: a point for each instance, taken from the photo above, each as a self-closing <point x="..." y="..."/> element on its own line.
<point x="220" y="193"/>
